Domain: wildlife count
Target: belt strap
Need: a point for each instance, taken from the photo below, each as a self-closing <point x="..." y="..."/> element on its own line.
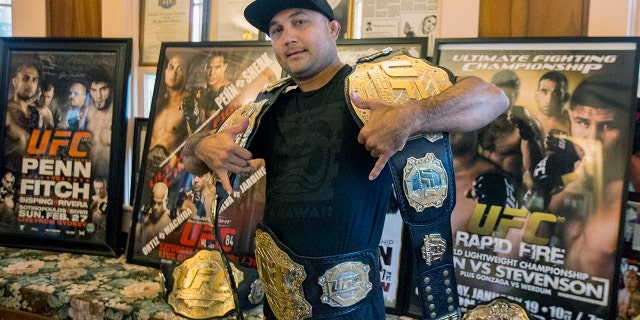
<point x="429" y="228"/>
<point x="422" y="173"/>
<point x="321" y="287"/>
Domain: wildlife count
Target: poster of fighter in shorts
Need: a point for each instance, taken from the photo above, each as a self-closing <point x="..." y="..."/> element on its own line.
<point x="541" y="191"/>
<point x="198" y="86"/>
<point x="63" y="107"/>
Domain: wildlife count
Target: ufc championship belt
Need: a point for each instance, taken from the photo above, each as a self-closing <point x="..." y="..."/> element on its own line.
<point x="499" y="308"/>
<point x="209" y="285"/>
<point x="422" y="172"/>
<point x="202" y="287"/>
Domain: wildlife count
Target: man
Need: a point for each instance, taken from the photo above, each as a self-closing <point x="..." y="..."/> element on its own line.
<point x="169" y="126"/>
<point x="328" y="183"/>
<point x="44" y="105"/>
<point x="202" y="104"/>
<point x="216" y="78"/>
<point x="549" y="125"/>
<point x="154" y="221"/>
<point x="583" y="183"/>
<point x="203" y="194"/>
<point x="99" y="119"/>
<point x="599" y="119"/>
<point x="76" y="116"/>
<point x="551" y="95"/>
<point x="8" y="202"/>
<point x="499" y="141"/>
<point x="22" y="115"/>
<point x="630" y="281"/>
<point x="98" y="207"/>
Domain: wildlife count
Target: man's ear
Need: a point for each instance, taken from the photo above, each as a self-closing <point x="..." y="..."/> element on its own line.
<point x="335" y="28"/>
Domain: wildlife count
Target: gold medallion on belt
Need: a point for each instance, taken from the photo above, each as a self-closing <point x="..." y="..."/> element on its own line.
<point x="201" y="286"/>
<point x="498" y="308"/>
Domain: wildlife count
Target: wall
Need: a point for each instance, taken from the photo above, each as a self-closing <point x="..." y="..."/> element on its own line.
<point x="29" y="18"/>
<point x="459" y="19"/>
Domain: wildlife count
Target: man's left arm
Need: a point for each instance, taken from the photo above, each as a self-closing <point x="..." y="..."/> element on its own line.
<point x="470" y="104"/>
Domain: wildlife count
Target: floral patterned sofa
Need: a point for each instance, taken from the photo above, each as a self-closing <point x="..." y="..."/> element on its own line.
<point x="81" y="287"/>
<point x="38" y="284"/>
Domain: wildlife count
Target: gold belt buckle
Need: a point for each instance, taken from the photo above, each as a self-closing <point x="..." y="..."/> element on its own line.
<point x="281" y="280"/>
<point x="201" y="287"/>
<point x="395" y="80"/>
<point x="497" y="309"/>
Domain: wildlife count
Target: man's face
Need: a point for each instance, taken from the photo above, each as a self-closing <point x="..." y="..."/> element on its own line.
<point x="100" y="188"/>
<point x="77" y="95"/>
<point x="303" y="42"/>
<point x="26" y="83"/>
<point x="8" y="181"/>
<point x="100" y="93"/>
<point x="46" y="97"/>
<point x="604" y="125"/>
<point x="215" y="70"/>
<point x="630" y="279"/>
<point x="174" y="73"/>
<point x="549" y="97"/>
<point x="160" y="201"/>
<point x="199" y="183"/>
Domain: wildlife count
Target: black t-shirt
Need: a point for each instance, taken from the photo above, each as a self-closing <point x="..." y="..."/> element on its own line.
<point x="319" y="199"/>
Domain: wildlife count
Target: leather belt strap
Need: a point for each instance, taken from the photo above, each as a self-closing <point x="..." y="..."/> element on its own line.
<point x="422" y="173"/>
<point x="429" y="230"/>
<point x="300" y="287"/>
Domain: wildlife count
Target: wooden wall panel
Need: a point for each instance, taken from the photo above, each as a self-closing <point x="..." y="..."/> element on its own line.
<point x="75" y="18"/>
<point x="533" y="18"/>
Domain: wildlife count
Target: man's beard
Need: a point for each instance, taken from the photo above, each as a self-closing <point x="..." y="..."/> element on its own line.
<point x="25" y="96"/>
<point x="104" y="105"/>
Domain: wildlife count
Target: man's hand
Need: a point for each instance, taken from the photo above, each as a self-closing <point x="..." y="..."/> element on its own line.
<point x="386" y="132"/>
<point x="222" y="155"/>
<point x="520" y="117"/>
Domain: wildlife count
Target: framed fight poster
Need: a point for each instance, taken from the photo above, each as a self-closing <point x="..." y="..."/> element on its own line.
<point x="198" y="86"/>
<point x="542" y="194"/>
<point x="62" y="171"/>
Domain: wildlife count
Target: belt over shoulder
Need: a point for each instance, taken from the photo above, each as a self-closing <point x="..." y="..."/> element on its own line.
<point x="422" y="172"/>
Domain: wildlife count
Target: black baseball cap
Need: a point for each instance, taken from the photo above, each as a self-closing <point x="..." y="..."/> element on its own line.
<point x="259" y="13"/>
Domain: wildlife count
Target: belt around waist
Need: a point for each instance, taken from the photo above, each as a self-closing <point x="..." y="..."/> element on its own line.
<point x="301" y="287"/>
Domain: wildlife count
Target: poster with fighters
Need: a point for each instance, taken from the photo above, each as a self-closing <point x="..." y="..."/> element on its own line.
<point x="542" y="189"/>
<point x="64" y="105"/>
<point x="198" y="86"/>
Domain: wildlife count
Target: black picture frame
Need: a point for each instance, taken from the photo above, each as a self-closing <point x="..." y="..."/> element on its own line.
<point x="350" y="50"/>
<point x="590" y="64"/>
<point x="139" y="137"/>
<point x="53" y="208"/>
<point x="250" y="67"/>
